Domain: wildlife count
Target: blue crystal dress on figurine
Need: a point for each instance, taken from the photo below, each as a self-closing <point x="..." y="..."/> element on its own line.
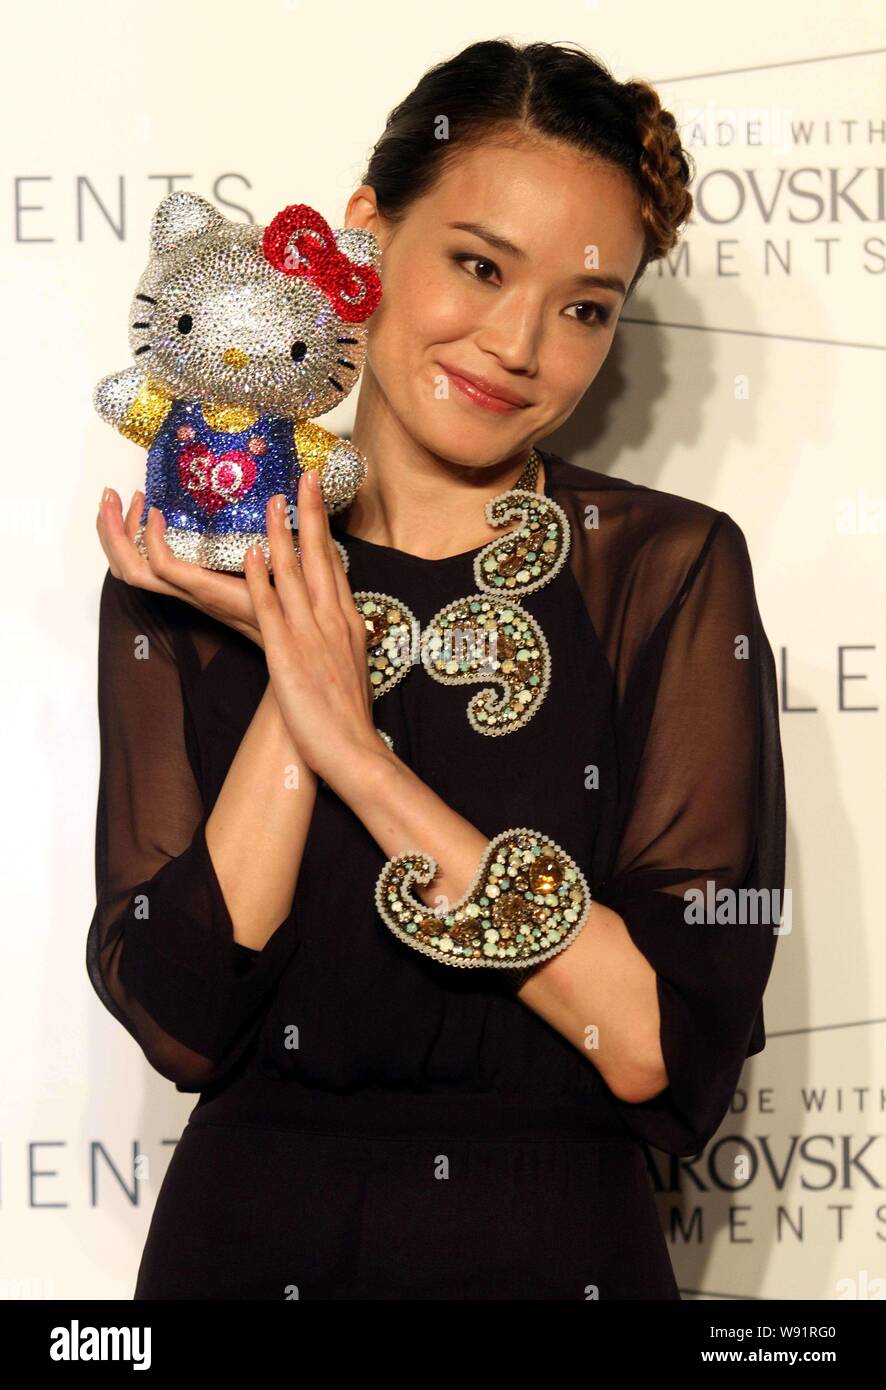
<point x="195" y="472"/>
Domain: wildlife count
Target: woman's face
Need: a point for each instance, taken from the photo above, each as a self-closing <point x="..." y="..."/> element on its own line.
<point x="531" y="319"/>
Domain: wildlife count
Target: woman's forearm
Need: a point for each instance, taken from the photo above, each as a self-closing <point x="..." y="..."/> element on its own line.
<point x="600" y="992"/>
<point x="402" y="813"/>
<point x="257" y="830"/>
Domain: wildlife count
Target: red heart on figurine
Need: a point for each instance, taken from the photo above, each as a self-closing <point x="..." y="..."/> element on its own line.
<point x="215" y="480"/>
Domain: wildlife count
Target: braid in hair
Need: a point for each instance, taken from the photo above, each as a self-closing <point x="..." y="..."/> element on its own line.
<point x="665" y="170"/>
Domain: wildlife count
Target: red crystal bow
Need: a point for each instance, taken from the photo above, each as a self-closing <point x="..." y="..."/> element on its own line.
<point x="299" y="241"/>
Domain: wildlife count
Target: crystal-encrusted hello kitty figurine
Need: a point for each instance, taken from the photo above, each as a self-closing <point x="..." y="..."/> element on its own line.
<point x="240" y="335"/>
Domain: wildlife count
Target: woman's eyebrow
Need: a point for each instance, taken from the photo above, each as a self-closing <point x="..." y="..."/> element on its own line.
<point x="486" y="234"/>
<point x="605" y="282"/>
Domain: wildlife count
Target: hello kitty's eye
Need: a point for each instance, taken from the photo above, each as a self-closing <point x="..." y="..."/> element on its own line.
<point x="185" y="323"/>
<point x="298" y="350"/>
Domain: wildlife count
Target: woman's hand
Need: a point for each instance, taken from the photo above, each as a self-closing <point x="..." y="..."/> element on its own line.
<point x="314" y="641"/>
<point x="224" y="597"/>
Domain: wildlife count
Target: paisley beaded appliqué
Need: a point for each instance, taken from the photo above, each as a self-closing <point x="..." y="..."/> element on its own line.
<point x="392" y="638"/>
<point x="530" y="556"/>
<point x="528" y="900"/>
<point x="477" y="639"/>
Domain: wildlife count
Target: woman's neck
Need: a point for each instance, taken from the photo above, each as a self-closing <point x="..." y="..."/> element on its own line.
<point x="415" y="501"/>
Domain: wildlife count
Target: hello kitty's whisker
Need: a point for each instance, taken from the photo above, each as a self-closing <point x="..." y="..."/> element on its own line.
<point x="346" y="340"/>
<point x="147" y="298"/>
<point x="338" y="386"/>
<point x="145" y="347"/>
<point x="141" y="325"/>
<point x="342" y="361"/>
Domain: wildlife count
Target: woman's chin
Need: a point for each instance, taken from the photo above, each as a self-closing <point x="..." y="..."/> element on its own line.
<point x="460" y="439"/>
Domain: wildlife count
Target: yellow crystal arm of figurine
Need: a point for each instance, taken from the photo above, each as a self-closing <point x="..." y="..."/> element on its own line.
<point x="145" y="415"/>
<point x="313" y="444"/>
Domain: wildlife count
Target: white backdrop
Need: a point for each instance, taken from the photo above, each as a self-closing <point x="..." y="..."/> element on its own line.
<point x="748" y="374"/>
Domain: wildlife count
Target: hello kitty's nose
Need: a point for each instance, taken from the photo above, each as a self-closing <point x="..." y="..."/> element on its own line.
<point x="235" y="357"/>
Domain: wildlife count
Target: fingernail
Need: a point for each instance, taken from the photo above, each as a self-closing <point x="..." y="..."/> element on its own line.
<point x="105" y="495"/>
<point x="279" y="503"/>
<point x="313" y="481"/>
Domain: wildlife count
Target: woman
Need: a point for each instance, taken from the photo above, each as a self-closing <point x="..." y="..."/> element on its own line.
<point x="374" y="1122"/>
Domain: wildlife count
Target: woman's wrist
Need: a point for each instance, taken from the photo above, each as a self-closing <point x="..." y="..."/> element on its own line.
<point x="275" y="728"/>
<point x="366" y="773"/>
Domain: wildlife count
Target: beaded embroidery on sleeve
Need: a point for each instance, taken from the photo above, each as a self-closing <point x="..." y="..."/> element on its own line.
<point x="527" y="901"/>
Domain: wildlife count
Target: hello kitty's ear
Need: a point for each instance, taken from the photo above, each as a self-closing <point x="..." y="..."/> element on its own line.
<point x="359" y="245"/>
<point x="181" y="217"/>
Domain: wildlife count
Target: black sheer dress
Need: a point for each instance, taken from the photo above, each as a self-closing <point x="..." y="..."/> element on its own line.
<point x="430" y="1137"/>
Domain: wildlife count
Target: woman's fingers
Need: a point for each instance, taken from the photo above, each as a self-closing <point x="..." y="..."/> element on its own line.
<point x="183" y="578"/>
<point x="217" y="594"/>
<point x="105" y="524"/>
<point x="355" y="623"/>
<point x="104" y="541"/>
<point x="342" y="587"/>
<point x="190" y="581"/>
<point x="313" y="535"/>
<point x="289" y="579"/>
<point x="133" y="516"/>
<point x="223" y="596"/>
<point x="125" y="560"/>
<point x="315" y="599"/>
<point x="319" y="559"/>
<point x="275" y="629"/>
<point x="176" y="572"/>
<point x="339" y="612"/>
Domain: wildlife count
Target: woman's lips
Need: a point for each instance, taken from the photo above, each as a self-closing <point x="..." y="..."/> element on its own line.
<point x="480" y="397"/>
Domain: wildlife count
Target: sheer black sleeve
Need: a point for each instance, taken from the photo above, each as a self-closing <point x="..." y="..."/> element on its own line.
<point x="160" y="950"/>
<point x="704" y="809"/>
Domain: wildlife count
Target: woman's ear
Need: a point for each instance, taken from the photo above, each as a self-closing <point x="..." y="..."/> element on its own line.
<point x="362" y="211"/>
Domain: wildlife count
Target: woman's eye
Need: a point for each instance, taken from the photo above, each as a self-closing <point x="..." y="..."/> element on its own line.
<point x="596" y="313"/>
<point x="463" y="259"/>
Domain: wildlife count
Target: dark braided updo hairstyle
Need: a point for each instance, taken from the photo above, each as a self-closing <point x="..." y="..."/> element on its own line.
<point x="515" y="92"/>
